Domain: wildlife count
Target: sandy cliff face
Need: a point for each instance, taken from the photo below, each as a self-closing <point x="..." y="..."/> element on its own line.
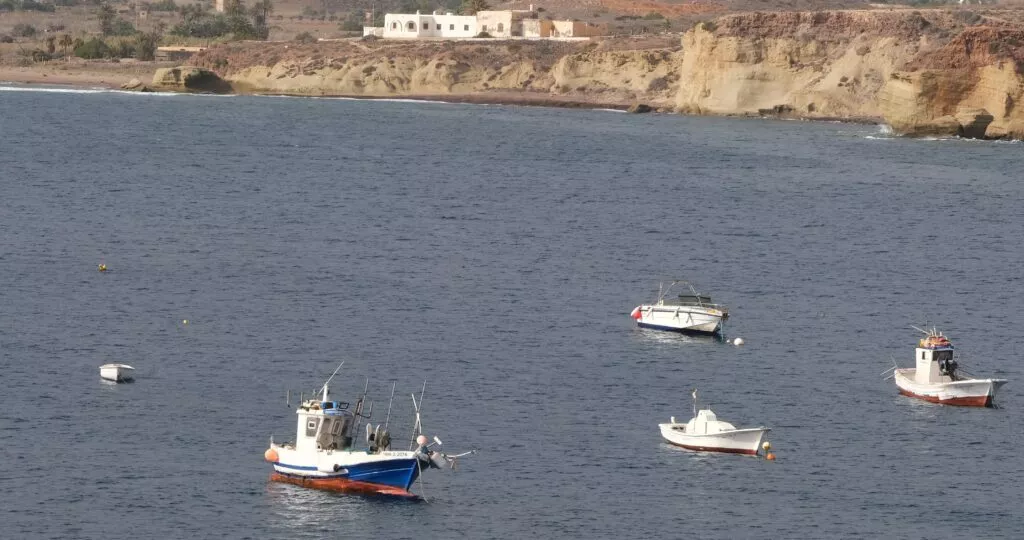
<point x="924" y="71"/>
<point x="975" y="74"/>
<point x="536" y="69"/>
<point x="816" y="64"/>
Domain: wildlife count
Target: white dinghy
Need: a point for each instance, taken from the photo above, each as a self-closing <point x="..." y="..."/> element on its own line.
<point x="117" y="372"/>
<point x="705" y="432"/>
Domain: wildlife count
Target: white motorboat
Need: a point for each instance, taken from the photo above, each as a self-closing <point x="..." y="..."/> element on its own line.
<point x="692" y="312"/>
<point x="117" y="372"/>
<point x="705" y="432"/>
<point x="327" y="454"/>
<point x="939" y="379"/>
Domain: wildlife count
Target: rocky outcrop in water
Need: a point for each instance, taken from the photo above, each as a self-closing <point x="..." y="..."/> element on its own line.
<point x="189" y="79"/>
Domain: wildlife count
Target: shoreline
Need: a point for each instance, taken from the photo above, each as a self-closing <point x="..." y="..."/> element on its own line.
<point x="115" y="75"/>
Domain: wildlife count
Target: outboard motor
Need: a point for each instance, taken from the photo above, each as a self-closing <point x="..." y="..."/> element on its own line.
<point x="947" y="366"/>
<point x="428" y="458"/>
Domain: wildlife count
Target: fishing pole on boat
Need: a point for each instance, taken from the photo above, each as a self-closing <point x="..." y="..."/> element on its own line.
<point x="891" y="371"/>
<point x="417" y="427"/>
<point x="391" y="400"/>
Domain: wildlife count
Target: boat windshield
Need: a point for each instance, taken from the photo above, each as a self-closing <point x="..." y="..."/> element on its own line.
<point x="689" y="300"/>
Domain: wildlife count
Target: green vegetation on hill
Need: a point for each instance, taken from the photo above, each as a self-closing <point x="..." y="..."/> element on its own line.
<point x="26" y="5"/>
<point x="237" y="21"/>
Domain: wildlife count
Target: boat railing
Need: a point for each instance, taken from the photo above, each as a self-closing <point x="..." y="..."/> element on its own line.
<point x="666" y="302"/>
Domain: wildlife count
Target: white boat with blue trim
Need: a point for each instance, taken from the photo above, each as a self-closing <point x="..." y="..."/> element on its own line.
<point x="685" y="312"/>
<point x="326" y="454"/>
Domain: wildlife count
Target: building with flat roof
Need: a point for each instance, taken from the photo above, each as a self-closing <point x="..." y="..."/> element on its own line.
<point x="507" y="24"/>
<point x="433" y="25"/>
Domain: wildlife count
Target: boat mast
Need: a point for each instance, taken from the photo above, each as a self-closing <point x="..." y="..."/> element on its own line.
<point x="694" y="402"/>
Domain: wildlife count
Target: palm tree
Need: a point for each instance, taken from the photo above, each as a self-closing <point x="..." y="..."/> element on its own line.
<point x="106" y="16"/>
<point x="471" y="7"/>
<point x="261" y="11"/>
<point x="65" y="42"/>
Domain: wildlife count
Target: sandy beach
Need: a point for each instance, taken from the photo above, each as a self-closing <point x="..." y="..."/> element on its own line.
<point x="81" y="73"/>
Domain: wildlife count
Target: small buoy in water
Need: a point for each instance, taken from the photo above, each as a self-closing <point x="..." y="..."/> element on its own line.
<point x="270" y="455"/>
<point x="770" y="456"/>
<point x="184" y="321"/>
<point x="102" y="267"/>
<point x="738" y="341"/>
<point x="766" y="445"/>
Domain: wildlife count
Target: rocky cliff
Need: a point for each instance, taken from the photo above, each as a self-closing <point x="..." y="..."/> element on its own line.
<point x="929" y="71"/>
<point x="971" y="86"/>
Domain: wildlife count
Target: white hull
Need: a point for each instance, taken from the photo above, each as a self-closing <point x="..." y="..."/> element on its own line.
<point x="739" y="441"/>
<point x="680" y="318"/>
<point x="967" y="392"/>
<point x="116" y="372"/>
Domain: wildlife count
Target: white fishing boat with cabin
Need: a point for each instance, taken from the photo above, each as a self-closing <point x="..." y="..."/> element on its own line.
<point x="117" y="372"/>
<point x="938" y="377"/>
<point x="685" y="312"/>
<point x="327" y="454"/>
<point x="705" y="432"/>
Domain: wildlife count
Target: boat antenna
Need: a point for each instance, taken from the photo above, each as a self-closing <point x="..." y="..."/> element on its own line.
<point x="390" y="401"/>
<point x="417" y="426"/>
<point x="359" y="406"/>
<point x="331" y="377"/>
<point x="694" y="402"/>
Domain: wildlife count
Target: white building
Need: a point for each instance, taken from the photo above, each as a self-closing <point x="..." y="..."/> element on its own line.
<point x="507" y="24"/>
<point x="433" y="25"/>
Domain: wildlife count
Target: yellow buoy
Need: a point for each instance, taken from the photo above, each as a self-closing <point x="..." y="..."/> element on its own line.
<point x="184" y="321"/>
<point x="770" y="456"/>
<point x="270" y="455"/>
<point x="766" y="445"/>
<point x="102" y="267"/>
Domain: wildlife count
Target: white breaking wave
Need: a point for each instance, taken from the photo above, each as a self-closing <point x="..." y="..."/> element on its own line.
<point x="51" y="90"/>
<point x="10" y="87"/>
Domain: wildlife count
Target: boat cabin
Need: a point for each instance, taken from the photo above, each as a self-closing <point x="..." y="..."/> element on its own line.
<point x="704" y="423"/>
<point x="935" y="362"/>
<point x="324" y="425"/>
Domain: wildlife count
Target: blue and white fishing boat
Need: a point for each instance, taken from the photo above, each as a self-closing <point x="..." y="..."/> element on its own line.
<point x="326" y="454"/>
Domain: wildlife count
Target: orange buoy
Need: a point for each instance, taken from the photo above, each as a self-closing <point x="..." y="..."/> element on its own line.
<point x="270" y="455"/>
<point x="770" y="456"/>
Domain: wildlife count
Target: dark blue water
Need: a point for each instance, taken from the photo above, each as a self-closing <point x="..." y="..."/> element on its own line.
<point x="496" y="252"/>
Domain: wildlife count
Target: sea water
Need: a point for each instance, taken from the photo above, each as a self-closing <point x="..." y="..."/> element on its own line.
<point x="495" y="252"/>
